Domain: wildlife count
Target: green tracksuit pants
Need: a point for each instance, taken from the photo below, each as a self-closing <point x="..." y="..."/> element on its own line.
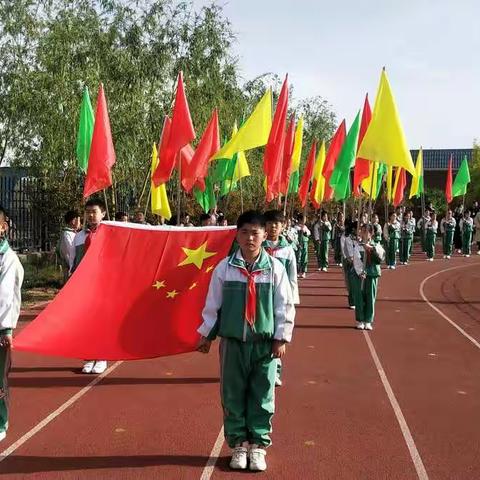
<point x="364" y="294"/>
<point x="302" y="258"/>
<point x="405" y="248"/>
<point x="423" y="239"/>
<point x="322" y="255"/>
<point x="247" y="383"/>
<point x="337" y="250"/>
<point x="347" y="272"/>
<point x="467" y="243"/>
<point x="430" y="243"/>
<point x="5" y="361"/>
<point x="392" y="248"/>
<point x="448" y="242"/>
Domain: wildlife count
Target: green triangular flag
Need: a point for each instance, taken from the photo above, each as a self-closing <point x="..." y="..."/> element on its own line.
<point x="340" y="178"/>
<point x="85" y="131"/>
<point x="462" y="179"/>
<point x="382" y="170"/>
<point x="294" y="182"/>
<point x="205" y="199"/>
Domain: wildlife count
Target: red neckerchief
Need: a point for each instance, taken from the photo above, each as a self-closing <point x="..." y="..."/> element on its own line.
<point x="89" y="237"/>
<point x="251" y="302"/>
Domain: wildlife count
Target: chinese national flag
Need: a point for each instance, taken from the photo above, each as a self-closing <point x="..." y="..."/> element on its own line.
<point x="138" y="293"/>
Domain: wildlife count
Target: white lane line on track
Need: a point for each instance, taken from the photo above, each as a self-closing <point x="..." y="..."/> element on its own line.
<point x="218" y="445"/>
<point x="449" y="320"/>
<point x="214" y="454"/>
<point x="37" y="428"/>
<point x="412" y="448"/>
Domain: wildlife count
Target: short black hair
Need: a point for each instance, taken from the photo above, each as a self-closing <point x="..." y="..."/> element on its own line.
<point x="368" y="227"/>
<point x="120" y="215"/>
<point x="254" y="217"/>
<point x="96" y="202"/>
<point x="3" y="213"/>
<point x="71" y="215"/>
<point x="205" y="216"/>
<point x="274" y="216"/>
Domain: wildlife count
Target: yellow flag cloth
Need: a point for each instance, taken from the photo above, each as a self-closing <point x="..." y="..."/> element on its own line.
<point x="367" y="186"/>
<point x="241" y="168"/>
<point x="318" y="177"/>
<point x="417" y="179"/>
<point x="297" y="146"/>
<point x="390" y="183"/>
<point x="253" y="133"/>
<point x="385" y="141"/>
<point x="159" y="200"/>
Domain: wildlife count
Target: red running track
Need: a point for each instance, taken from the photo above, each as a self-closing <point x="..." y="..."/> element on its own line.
<point x="334" y="420"/>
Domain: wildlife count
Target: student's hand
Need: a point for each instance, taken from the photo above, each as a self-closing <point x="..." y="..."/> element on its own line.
<point x="278" y="349"/>
<point x="6" y="341"/>
<point x="363" y="276"/>
<point x="367" y="247"/>
<point x="204" y="345"/>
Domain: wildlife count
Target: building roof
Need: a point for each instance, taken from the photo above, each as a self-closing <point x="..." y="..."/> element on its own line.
<point x="438" y="159"/>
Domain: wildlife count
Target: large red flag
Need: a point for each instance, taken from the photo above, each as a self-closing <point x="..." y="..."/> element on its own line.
<point x="273" y="155"/>
<point x="196" y="171"/>
<point x="138" y="293"/>
<point x="333" y="152"/>
<point x="448" y="186"/>
<point x="362" y="165"/>
<point x="307" y="174"/>
<point x="400" y="185"/>
<point x="181" y="133"/>
<point x="102" y="154"/>
<point x="287" y="158"/>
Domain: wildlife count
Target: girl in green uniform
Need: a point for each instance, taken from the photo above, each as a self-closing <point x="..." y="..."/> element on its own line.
<point x="377" y="229"/>
<point x="406" y="238"/>
<point x="302" y="252"/>
<point x="338" y="231"/>
<point x="447" y="229"/>
<point x="466" y="228"/>
<point x="391" y="233"/>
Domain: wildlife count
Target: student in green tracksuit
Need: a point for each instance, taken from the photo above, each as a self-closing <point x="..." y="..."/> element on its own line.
<point x="466" y="229"/>
<point x="250" y="306"/>
<point x="447" y="229"/>
<point x="338" y="231"/>
<point x="406" y="238"/>
<point x="431" y="228"/>
<point x="11" y="279"/>
<point x="421" y="227"/>
<point x="302" y="252"/>
<point x="391" y="233"/>
<point x="377" y="229"/>
<point x="348" y="240"/>
<point x="322" y="231"/>
<point x="367" y="259"/>
<point x="278" y="247"/>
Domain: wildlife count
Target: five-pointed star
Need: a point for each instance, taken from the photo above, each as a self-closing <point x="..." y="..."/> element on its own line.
<point x="158" y="285"/>
<point x="196" y="256"/>
<point x="209" y="269"/>
<point x="172" y="294"/>
<point x="193" y="285"/>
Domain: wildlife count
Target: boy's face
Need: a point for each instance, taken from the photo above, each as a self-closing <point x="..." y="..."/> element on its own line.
<point x="3" y="225"/>
<point x="365" y="235"/>
<point x="393" y="218"/>
<point x="449" y="214"/>
<point x="75" y="223"/>
<point x="94" y="215"/>
<point x="250" y="238"/>
<point x="324" y="217"/>
<point x="274" y="230"/>
<point x="375" y="219"/>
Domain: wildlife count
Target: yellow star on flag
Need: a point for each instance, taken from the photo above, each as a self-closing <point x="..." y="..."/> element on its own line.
<point x="196" y="256"/>
<point x="193" y="285"/>
<point x="209" y="269"/>
<point x="158" y="285"/>
<point x="172" y="294"/>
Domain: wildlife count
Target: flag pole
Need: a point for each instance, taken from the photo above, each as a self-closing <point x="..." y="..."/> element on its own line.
<point x="285" y="203"/>
<point x="241" y="194"/>
<point x="179" y="189"/>
<point x="370" y="201"/>
<point x="106" y="203"/>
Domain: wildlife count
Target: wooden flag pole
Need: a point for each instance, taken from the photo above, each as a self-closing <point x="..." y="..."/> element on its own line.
<point x="370" y="213"/>
<point x="241" y="194"/>
<point x="179" y="188"/>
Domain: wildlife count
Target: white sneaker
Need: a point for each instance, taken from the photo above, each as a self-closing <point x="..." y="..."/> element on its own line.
<point x="352" y="307"/>
<point x="393" y="267"/>
<point x="278" y="382"/>
<point x="303" y="275"/>
<point x="448" y="257"/>
<point x="467" y="256"/>
<point x="257" y="459"/>
<point x="360" y="326"/>
<point x="100" y="366"/>
<point x="478" y="253"/>
<point x="2" y="435"/>
<point x="341" y="264"/>
<point x="239" y="458"/>
<point x="88" y="366"/>
<point x="368" y="326"/>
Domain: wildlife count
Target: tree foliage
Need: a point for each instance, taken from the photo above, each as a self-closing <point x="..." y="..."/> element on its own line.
<point x="51" y="49"/>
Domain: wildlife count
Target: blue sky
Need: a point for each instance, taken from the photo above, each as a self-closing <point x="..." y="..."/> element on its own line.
<point x="336" y="49"/>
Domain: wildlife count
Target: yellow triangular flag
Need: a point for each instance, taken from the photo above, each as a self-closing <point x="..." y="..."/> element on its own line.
<point x="253" y="133"/>
<point x="241" y="168"/>
<point x="297" y="146"/>
<point x="159" y="199"/>
<point x="417" y="178"/>
<point x="317" y="175"/>
<point x="368" y="187"/>
<point x="385" y="141"/>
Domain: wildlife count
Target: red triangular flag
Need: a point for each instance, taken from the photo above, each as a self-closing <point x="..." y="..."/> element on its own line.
<point x="273" y="155"/>
<point x="181" y="133"/>
<point x="287" y="158"/>
<point x="448" y="186"/>
<point x="331" y="157"/>
<point x="362" y="166"/>
<point x="399" y="191"/>
<point x="102" y="154"/>
<point x="161" y="276"/>
<point x="307" y="174"/>
<point x="197" y="169"/>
